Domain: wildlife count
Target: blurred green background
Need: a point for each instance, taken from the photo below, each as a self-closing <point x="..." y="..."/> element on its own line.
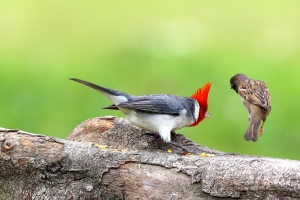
<point x="151" y="47"/>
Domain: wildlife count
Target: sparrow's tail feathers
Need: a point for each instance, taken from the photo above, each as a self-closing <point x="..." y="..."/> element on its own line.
<point x="114" y="95"/>
<point x="252" y="131"/>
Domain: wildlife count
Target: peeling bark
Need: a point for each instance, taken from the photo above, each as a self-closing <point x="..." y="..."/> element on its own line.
<point x="109" y="158"/>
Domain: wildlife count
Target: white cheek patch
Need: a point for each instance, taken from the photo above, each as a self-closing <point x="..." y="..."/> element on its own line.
<point x="242" y="89"/>
<point x="196" y="111"/>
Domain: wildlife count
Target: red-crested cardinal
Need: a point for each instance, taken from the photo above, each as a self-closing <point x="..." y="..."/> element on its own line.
<point x="158" y="113"/>
<point x="255" y="96"/>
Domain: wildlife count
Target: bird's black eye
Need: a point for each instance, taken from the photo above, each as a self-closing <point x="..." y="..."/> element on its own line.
<point x="232" y="86"/>
<point x="204" y="109"/>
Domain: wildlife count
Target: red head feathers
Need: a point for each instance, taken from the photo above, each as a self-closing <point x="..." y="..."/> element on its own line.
<point x="201" y="95"/>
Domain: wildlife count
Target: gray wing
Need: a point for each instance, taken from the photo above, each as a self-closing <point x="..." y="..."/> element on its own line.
<point x="162" y="104"/>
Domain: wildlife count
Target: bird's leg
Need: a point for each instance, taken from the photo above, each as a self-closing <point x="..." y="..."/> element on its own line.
<point x="260" y="131"/>
<point x="184" y="149"/>
<point x="155" y="136"/>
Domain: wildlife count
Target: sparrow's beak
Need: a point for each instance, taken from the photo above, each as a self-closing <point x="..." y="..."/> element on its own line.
<point x="207" y="115"/>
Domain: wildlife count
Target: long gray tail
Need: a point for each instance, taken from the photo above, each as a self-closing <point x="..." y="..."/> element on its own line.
<point x="107" y="92"/>
<point x="252" y="131"/>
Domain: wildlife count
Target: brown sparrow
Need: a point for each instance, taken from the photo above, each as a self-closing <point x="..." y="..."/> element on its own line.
<point x="256" y="98"/>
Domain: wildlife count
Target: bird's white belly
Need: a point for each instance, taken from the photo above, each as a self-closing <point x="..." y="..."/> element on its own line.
<point x="162" y="124"/>
<point x="153" y="122"/>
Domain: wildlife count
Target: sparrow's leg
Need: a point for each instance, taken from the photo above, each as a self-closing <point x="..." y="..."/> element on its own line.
<point x="260" y="131"/>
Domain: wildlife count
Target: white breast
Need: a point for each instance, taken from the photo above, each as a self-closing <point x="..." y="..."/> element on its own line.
<point x="162" y="124"/>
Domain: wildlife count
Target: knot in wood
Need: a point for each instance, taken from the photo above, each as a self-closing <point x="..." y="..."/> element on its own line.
<point x="8" y="145"/>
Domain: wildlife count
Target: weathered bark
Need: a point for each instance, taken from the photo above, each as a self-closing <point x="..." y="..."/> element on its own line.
<point x="131" y="166"/>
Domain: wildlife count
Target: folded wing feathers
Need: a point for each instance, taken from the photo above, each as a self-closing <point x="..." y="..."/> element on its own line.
<point x="163" y="104"/>
<point x="255" y="92"/>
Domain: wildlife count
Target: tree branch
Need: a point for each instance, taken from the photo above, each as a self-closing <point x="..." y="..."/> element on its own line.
<point x="109" y="158"/>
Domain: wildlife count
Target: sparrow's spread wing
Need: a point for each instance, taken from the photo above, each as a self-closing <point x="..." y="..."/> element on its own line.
<point x="162" y="104"/>
<point x="256" y="92"/>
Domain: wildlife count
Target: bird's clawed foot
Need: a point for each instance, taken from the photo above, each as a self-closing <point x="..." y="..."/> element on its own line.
<point x="184" y="150"/>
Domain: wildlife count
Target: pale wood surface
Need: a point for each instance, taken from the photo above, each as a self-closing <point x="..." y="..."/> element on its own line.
<point x="108" y="158"/>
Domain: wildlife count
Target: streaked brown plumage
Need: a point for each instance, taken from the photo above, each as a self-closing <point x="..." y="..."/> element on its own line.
<point x="256" y="98"/>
